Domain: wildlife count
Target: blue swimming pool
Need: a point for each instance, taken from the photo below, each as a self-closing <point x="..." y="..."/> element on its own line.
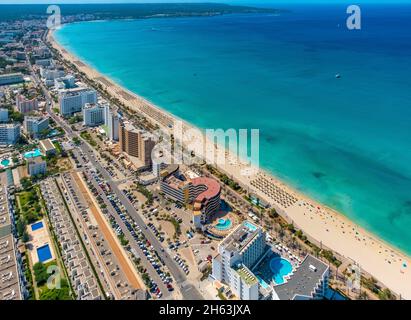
<point x="32" y="154"/>
<point x="250" y="226"/>
<point x="36" y="226"/>
<point x="44" y="253"/>
<point x="264" y="284"/>
<point x="223" y="224"/>
<point x="5" y="162"/>
<point x="53" y="133"/>
<point x="280" y="268"/>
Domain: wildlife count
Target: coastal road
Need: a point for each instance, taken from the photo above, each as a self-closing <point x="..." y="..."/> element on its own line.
<point x="132" y="242"/>
<point x="187" y="289"/>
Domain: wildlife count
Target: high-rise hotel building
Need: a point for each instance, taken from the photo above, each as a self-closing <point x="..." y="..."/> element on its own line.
<point x="9" y="133"/>
<point x="112" y="121"/>
<point x="73" y="100"/>
<point x="26" y="105"/>
<point x="136" y="143"/>
<point x="242" y="261"/>
<point x="202" y="194"/>
<point x="94" y="114"/>
<point x="237" y="254"/>
<point x="34" y="126"/>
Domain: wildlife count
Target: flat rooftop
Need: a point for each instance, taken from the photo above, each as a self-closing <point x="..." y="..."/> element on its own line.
<point x="47" y="145"/>
<point x="245" y="274"/>
<point x="128" y="126"/>
<point x="213" y="188"/>
<point x="37" y="160"/>
<point x="6" y="75"/>
<point x="9" y="125"/>
<point x="304" y="280"/>
<point x="9" y="284"/>
<point x="75" y="91"/>
<point x="35" y="118"/>
<point x="4" y="210"/>
<point x="240" y="237"/>
<point x="93" y="106"/>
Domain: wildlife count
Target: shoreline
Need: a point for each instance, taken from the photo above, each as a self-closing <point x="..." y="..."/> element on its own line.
<point x="323" y="224"/>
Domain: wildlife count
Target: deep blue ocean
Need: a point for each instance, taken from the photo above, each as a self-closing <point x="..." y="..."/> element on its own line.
<point x="346" y="142"/>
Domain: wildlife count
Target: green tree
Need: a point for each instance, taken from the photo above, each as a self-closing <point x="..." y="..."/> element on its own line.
<point x="273" y="213"/>
<point x="20" y="226"/>
<point x="40" y="273"/>
<point x="25" y="237"/>
<point x="16" y="116"/>
<point x="63" y="293"/>
<point x="386" y="294"/>
<point x="26" y="183"/>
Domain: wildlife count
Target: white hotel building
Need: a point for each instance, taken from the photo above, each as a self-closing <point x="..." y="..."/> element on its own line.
<point x="244" y="254"/>
<point x="9" y="133"/>
<point x="34" y="126"/>
<point x="73" y="100"/>
<point x="36" y="166"/>
<point x="237" y="254"/>
<point x="4" y="115"/>
<point x="26" y="105"/>
<point x="94" y="114"/>
<point x="11" y="78"/>
<point x="112" y="121"/>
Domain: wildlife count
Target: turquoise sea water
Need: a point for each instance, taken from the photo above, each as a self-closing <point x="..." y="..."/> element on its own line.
<point x="345" y="142"/>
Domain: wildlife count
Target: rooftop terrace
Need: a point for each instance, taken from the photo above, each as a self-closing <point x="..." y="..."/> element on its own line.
<point x="246" y="275"/>
<point x="241" y="236"/>
<point x="9" y="276"/>
<point x="304" y="280"/>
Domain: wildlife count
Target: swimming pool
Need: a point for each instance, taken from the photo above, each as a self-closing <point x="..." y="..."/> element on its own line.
<point x="36" y="226"/>
<point x="250" y="226"/>
<point x="5" y="162"/>
<point x="223" y="224"/>
<point x="53" y="133"/>
<point x="264" y="284"/>
<point x="44" y="253"/>
<point x="32" y="154"/>
<point x="280" y="268"/>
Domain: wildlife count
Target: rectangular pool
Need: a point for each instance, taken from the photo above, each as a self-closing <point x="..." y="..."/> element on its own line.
<point x="250" y="226"/>
<point x="36" y="226"/>
<point x="44" y="253"/>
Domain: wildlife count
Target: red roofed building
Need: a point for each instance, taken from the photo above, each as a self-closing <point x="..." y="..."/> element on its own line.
<point x="202" y="193"/>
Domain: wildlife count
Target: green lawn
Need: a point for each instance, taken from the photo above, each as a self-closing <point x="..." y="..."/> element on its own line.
<point x="29" y="205"/>
<point x="58" y="146"/>
<point x="59" y="290"/>
<point x="86" y="136"/>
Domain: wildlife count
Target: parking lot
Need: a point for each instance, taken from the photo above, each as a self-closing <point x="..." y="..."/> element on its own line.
<point x="159" y="280"/>
<point x="113" y="261"/>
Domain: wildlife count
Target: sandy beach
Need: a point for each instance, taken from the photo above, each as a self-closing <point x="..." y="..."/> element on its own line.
<point x="387" y="264"/>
